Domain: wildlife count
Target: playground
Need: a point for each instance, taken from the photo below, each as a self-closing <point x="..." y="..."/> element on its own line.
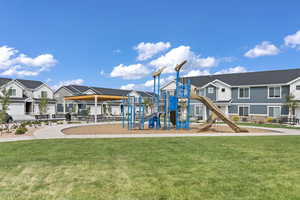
<point x="105" y="129"/>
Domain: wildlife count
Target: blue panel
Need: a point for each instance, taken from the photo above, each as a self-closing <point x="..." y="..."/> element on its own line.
<point x="172" y="103"/>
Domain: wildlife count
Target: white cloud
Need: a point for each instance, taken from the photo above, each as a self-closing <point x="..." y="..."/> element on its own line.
<point x="197" y="73"/>
<point x="237" y="69"/>
<point x="150" y="83"/>
<point x="293" y="40"/>
<point x="12" y="63"/>
<point x="129" y="86"/>
<point x="263" y="49"/>
<point x="179" y="54"/>
<point x="68" y="82"/>
<point x="148" y="50"/>
<point x="130" y="72"/>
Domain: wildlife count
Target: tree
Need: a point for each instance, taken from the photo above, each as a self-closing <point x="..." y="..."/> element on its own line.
<point x="292" y="104"/>
<point x="43" y="105"/>
<point x="4" y="101"/>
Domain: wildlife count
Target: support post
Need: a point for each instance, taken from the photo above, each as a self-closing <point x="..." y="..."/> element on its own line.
<point x="95" y="111"/>
<point x="177" y="96"/>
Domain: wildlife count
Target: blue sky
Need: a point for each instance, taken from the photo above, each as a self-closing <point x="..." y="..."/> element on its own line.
<point x="119" y="43"/>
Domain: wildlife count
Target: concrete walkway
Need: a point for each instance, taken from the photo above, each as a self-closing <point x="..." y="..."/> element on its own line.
<point x="55" y="132"/>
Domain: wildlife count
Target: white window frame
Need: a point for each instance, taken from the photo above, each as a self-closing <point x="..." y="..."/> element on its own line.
<point x="44" y="92"/>
<point x="248" y="106"/>
<point x="297" y="87"/>
<point x="280" y="90"/>
<point x="210" y="90"/>
<point x="268" y="113"/>
<point x="12" y="94"/>
<point x="243" y="97"/>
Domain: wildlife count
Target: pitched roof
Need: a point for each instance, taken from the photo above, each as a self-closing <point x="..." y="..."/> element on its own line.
<point x="80" y="89"/>
<point x="31" y="84"/>
<point x="248" y="78"/>
<point x="110" y="91"/>
<point x="4" y="81"/>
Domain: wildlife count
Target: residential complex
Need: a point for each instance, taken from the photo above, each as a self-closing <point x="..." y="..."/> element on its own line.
<point x="25" y="97"/>
<point x="80" y="106"/>
<point x="250" y="95"/>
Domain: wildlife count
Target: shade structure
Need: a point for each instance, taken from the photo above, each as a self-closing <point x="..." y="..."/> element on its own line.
<point x="96" y="98"/>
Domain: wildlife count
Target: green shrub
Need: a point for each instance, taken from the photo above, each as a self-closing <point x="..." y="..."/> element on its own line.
<point x="269" y="119"/>
<point x="236" y="118"/>
<point x="21" y="130"/>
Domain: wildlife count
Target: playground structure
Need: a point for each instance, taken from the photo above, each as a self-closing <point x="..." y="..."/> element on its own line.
<point x="173" y="109"/>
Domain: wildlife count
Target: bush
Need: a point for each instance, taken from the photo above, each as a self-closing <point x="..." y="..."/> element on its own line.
<point x="21" y="130"/>
<point x="269" y="119"/>
<point x="236" y="118"/>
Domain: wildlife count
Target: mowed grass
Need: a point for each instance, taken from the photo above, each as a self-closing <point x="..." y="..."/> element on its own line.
<point x="152" y="168"/>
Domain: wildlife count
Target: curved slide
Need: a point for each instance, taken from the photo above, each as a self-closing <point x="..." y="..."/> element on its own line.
<point x="216" y="110"/>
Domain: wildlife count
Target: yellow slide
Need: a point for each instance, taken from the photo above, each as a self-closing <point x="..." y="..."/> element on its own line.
<point x="216" y="110"/>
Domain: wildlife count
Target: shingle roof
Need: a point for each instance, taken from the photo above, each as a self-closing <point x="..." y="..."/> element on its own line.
<point x="4" y="81"/>
<point x="31" y="84"/>
<point x="80" y="89"/>
<point x="249" y="78"/>
<point x="110" y="91"/>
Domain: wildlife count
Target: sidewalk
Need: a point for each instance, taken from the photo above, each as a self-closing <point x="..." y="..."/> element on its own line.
<point x="55" y="132"/>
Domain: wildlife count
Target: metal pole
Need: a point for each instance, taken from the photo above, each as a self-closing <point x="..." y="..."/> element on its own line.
<point x="188" y="106"/>
<point x="123" y="113"/>
<point x="128" y="112"/>
<point x="177" y="96"/>
<point x="134" y="117"/>
<point x="95" y="113"/>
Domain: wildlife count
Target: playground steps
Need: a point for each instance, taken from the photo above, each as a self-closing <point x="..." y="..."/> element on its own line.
<point x="215" y="109"/>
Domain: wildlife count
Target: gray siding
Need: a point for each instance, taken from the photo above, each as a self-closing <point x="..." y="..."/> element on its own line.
<point x="232" y="109"/>
<point x="260" y="95"/>
<point x="284" y="110"/>
<point x="258" y="109"/>
<point x="212" y="96"/>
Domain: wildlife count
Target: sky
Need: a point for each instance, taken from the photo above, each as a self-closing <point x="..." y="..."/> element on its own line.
<point x="119" y="44"/>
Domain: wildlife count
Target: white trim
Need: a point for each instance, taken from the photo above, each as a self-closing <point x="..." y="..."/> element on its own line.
<point x="292" y="81"/>
<point x="207" y="84"/>
<point x="263" y="104"/>
<point x="217" y="80"/>
<point x="244" y="97"/>
<point x="280" y="87"/>
<point x="263" y="115"/>
<point x="273" y="107"/>
<point x="265" y="85"/>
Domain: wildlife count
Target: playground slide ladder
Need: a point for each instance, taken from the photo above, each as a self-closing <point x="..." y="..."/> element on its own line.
<point x="216" y="110"/>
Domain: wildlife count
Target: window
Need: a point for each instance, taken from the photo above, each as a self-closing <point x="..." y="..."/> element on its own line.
<point x="210" y="90"/>
<point x="223" y="89"/>
<point x="274" y="92"/>
<point x="198" y="110"/>
<point x="59" y="108"/>
<point x="12" y="92"/>
<point x="244" y="93"/>
<point x="243" y="111"/>
<point x="44" y="94"/>
<point x="274" y="111"/>
<point x="297" y="87"/>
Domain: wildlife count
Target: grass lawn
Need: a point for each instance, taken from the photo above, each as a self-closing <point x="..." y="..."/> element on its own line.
<point x="152" y="168"/>
<point x="268" y="125"/>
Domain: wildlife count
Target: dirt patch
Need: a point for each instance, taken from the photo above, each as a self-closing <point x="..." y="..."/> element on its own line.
<point x="117" y="129"/>
<point x="11" y="134"/>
